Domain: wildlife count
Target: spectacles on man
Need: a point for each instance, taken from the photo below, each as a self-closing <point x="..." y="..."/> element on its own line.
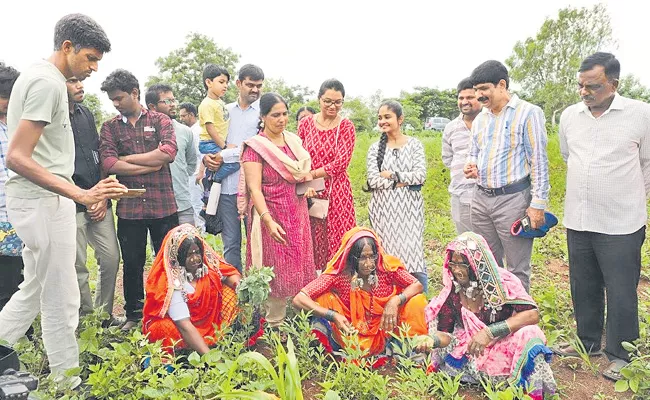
<point x="329" y="102"/>
<point x="169" y="102"/>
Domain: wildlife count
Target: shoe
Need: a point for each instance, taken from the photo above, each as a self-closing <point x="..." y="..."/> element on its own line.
<point x="567" y="350"/>
<point x="128" y="325"/>
<point x="113" y="321"/>
<point x="613" y="371"/>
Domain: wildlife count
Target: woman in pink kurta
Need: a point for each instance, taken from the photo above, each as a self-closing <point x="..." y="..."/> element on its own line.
<point x="329" y="139"/>
<point x="278" y="231"/>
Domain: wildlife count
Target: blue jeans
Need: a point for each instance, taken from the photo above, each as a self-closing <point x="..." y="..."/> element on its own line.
<point x="210" y="147"/>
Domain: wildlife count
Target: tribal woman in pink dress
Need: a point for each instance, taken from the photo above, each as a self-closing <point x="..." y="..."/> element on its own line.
<point x="483" y="324"/>
<point x="279" y="235"/>
<point x="329" y="139"/>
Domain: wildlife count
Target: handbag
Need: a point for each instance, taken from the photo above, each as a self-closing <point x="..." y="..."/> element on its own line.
<point x="10" y="243"/>
<point x="319" y="207"/>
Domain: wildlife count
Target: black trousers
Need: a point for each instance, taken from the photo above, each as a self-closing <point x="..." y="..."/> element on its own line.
<point x="11" y="275"/>
<point x="132" y="235"/>
<point x="600" y="263"/>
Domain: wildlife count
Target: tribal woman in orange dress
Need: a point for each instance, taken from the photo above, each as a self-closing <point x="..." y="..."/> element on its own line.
<point x="190" y="290"/>
<point x="363" y="291"/>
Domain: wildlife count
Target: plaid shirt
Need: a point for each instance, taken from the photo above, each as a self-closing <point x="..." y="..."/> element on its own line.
<point x="4" y="171"/>
<point x="119" y="138"/>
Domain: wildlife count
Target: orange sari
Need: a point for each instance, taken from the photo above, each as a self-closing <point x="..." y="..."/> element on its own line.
<point x="364" y="316"/>
<point x="212" y="303"/>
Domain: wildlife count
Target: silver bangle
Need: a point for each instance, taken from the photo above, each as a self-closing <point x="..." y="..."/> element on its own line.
<point x="263" y="214"/>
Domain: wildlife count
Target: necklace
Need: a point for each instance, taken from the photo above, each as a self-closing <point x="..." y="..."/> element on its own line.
<point x="328" y="126"/>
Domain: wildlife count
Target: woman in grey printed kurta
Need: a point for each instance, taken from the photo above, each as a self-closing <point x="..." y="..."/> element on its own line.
<point x="396" y="170"/>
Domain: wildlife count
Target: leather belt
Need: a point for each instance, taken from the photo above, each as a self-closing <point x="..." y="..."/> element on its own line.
<point x="514" y="187"/>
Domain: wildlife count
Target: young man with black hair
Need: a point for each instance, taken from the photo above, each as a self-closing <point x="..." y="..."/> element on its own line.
<point x="188" y="115"/>
<point x="160" y="98"/>
<point x="94" y="226"/>
<point x="138" y="145"/>
<point x="41" y="194"/>
<point x="508" y="160"/>
<point x="244" y="117"/>
<point x="455" y="147"/>
<point x="605" y="141"/>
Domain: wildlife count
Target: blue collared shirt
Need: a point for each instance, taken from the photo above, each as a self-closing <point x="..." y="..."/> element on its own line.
<point x="243" y="125"/>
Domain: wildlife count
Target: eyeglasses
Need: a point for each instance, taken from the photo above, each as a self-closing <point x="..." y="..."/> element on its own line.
<point x="458" y="264"/>
<point x="363" y="259"/>
<point x="329" y="102"/>
<point x="169" y="102"/>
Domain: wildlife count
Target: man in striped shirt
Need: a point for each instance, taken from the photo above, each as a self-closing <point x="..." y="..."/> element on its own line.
<point x="605" y="140"/>
<point x="508" y="159"/>
<point x="455" y="147"/>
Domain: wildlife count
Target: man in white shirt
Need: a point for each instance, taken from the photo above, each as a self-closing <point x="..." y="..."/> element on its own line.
<point x="187" y="114"/>
<point x="605" y="141"/>
<point x="244" y="119"/>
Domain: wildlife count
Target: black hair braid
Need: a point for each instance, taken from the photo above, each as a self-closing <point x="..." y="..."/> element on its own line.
<point x="381" y="151"/>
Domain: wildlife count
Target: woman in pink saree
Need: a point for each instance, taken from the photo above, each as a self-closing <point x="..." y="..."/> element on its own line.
<point x="483" y="324"/>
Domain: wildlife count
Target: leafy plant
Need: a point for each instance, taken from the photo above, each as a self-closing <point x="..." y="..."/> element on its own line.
<point x="255" y="287"/>
<point x="636" y="374"/>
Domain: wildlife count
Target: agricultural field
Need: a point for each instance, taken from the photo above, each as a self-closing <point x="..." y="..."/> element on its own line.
<point x="112" y="361"/>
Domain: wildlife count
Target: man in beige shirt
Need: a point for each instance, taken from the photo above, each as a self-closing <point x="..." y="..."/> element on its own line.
<point x="605" y="141"/>
<point x="41" y="195"/>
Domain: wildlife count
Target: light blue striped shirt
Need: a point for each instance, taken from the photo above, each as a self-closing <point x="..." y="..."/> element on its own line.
<point x="510" y="146"/>
<point x="243" y="125"/>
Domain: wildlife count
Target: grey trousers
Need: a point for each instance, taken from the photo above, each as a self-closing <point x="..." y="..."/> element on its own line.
<point x="492" y="218"/>
<point x="231" y="234"/>
<point x="102" y="238"/>
<point x="461" y="215"/>
<point x="186" y="217"/>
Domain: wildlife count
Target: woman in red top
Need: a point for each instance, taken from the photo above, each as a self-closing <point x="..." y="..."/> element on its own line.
<point x="329" y="139"/>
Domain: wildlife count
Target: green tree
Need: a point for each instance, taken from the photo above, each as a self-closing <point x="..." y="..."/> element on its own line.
<point x="432" y="102"/>
<point x="358" y="112"/>
<point x="93" y="103"/>
<point x="630" y="86"/>
<point x="295" y="94"/>
<point x="546" y="65"/>
<point x="182" y="69"/>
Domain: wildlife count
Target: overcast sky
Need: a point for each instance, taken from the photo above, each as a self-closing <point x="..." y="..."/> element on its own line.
<point x="368" y="45"/>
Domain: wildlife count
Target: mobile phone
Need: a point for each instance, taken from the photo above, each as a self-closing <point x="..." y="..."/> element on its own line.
<point x="131" y="193"/>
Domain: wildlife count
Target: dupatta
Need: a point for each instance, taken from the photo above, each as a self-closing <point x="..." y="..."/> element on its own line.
<point x="167" y="275"/>
<point x="293" y="171"/>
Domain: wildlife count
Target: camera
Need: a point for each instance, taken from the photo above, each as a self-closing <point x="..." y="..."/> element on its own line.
<point x="16" y="385"/>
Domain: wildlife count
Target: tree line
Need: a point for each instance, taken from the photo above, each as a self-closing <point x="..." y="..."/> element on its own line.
<point x="542" y="69"/>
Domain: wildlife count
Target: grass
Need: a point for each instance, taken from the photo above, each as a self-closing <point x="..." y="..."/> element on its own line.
<point x="548" y="286"/>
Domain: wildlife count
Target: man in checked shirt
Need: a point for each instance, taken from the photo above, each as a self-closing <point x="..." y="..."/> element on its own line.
<point x="137" y="146"/>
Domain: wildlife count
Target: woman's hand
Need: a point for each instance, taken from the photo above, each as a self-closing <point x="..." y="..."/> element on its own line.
<point x="310" y="192"/>
<point x="343" y="324"/>
<point x="423" y="343"/>
<point x="275" y="230"/>
<point x="386" y="174"/>
<point x="389" y="317"/>
<point x="232" y="280"/>
<point x="478" y="343"/>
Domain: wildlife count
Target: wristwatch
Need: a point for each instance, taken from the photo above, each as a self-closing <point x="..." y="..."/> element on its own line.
<point x="393" y="177"/>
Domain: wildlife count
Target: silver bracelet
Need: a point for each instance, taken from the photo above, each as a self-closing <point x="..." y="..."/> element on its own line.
<point x="263" y="214"/>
